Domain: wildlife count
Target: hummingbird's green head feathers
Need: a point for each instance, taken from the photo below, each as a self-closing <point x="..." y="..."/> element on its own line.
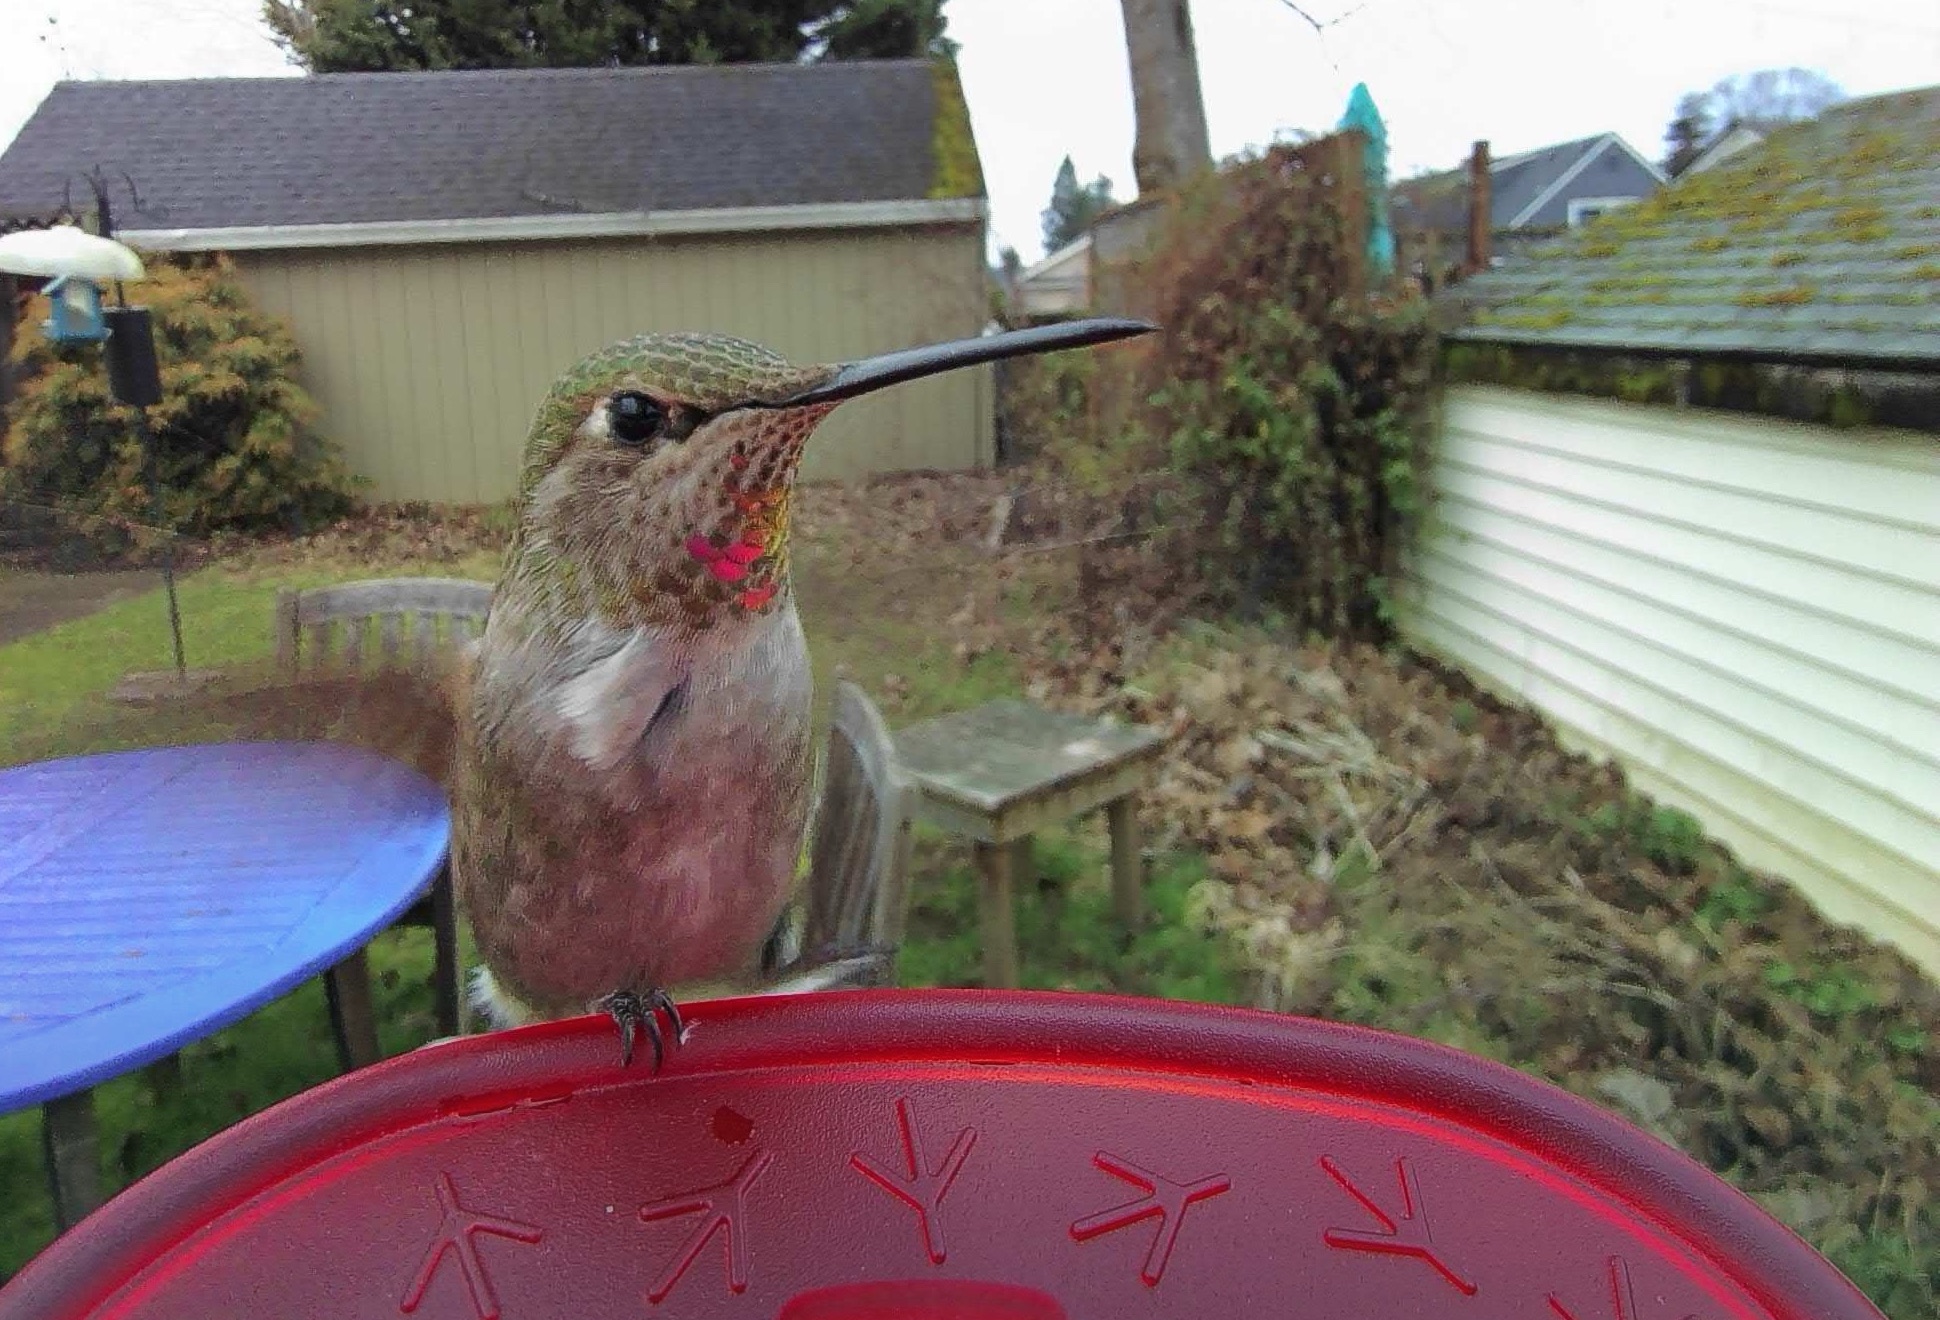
<point x="652" y="394"/>
<point x="656" y="478"/>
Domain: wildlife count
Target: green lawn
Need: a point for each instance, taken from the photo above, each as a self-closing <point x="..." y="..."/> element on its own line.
<point x="53" y="684"/>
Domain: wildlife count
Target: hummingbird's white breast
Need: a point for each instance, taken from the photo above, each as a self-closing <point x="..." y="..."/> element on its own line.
<point x="680" y="766"/>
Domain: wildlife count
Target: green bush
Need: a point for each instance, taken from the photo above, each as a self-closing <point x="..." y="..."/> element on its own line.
<point x="1044" y="409"/>
<point x="1294" y="410"/>
<point x="1301" y="411"/>
<point x="234" y="438"/>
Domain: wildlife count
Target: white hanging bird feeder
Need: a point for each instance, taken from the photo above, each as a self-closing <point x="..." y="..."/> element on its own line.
<point x="77" y="264"/>
<point x="68" y="252"/>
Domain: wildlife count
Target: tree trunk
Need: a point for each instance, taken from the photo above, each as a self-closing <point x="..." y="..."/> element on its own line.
<point x="1171" y="114"/>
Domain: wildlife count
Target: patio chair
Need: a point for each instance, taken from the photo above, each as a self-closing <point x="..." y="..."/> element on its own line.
<point x="857" y="898"/>
<point x="331" y="628"/>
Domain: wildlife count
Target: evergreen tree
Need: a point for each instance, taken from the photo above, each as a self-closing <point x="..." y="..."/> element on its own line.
<point x="1687" y="132"/>
<point x="886" y="29"/>
<point x="1073" y="207"/>
<point x="336" y="36"/>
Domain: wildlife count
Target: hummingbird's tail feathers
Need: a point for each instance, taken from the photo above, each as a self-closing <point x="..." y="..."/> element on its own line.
<point x="499" y="1009"/>
<point x="848" y="971"/>
<point x="838" y="974"/>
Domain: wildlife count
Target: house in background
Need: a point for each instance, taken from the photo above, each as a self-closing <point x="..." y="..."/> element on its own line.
<point x="1089" y="274"/>
<point x="1532" y="196"/>
<point x="1727" y="142"/>
<point x="1742" y="609"/>
<point x="444" y="245"/>
<point x="1770" y="252"/>
<point x="1057" y="286"/>
<point x="1098" y="272"/>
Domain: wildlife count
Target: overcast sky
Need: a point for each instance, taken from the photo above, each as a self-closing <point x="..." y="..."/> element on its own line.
<point x="1049" y="77"/>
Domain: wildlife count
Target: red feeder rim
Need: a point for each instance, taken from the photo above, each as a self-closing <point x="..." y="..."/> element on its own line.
<point x="937" y="1153"/>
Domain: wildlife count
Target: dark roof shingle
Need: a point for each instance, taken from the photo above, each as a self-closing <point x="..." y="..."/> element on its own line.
<point x="1821" y="243"/>
<point x="376" y="147"/>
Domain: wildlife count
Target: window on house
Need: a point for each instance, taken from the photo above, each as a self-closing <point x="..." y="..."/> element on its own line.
<point x="1582" y="210"/>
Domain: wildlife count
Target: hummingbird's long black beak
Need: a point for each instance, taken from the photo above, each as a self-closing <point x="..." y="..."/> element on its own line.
<point x="853" y="378"/>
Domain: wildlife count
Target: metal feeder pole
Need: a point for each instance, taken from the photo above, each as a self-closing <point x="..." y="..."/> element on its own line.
<point x="168" y="537"/>
<point x="135" y="379"/>
<point x="134" y="376"/>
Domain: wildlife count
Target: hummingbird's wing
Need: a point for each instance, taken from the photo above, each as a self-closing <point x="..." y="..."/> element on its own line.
<point x="614" y="702"/>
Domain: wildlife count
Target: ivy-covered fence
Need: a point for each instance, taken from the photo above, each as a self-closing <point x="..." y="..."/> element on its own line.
<point x="1290" y="394"/>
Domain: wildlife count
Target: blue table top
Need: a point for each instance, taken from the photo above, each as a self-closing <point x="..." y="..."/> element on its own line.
<point x="149" y="898"/>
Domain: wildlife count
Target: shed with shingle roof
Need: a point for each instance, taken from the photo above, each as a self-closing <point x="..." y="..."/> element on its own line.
<point x="443" y="244"/>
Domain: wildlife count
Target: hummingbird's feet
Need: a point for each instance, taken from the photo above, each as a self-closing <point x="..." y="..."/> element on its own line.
<point x="642" y="1011"/>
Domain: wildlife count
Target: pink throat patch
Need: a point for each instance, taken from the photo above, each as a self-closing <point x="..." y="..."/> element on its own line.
<point x="728" y="563"/>
<point x="734" y="562"/>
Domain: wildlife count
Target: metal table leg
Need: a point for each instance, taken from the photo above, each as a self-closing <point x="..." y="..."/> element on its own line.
<point x="347" y="988"/>
<point x="449" y="991"/>
<point x="72" y="1149"/>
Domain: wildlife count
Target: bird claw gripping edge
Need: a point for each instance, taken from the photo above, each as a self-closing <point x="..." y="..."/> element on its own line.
<point x="631" y="1011"/>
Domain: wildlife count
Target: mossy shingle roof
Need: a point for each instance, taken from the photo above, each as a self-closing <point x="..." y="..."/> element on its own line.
<point x="1820" y="244"/>
<point x="215" y="153"/>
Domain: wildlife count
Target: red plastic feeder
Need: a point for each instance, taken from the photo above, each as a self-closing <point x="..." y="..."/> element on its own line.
<point x="916" y="1155"/>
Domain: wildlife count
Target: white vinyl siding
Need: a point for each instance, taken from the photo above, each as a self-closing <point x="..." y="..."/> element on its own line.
<point x="1745" y="613"/>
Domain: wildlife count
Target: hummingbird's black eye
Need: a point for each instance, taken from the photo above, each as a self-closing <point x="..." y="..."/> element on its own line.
<point x="634" y="419"/>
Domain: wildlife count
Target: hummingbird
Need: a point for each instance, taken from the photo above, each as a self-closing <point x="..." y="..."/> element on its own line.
<point x="630" y="781"/>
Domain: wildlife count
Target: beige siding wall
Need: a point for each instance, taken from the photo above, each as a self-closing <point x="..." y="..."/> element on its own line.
<point x="1746" y="613"/>
<point x="430" y="361"/>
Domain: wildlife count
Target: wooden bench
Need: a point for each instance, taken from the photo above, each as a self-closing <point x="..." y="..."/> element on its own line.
<point x="410" y="621"/>
<point x="1005" y="770"/>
